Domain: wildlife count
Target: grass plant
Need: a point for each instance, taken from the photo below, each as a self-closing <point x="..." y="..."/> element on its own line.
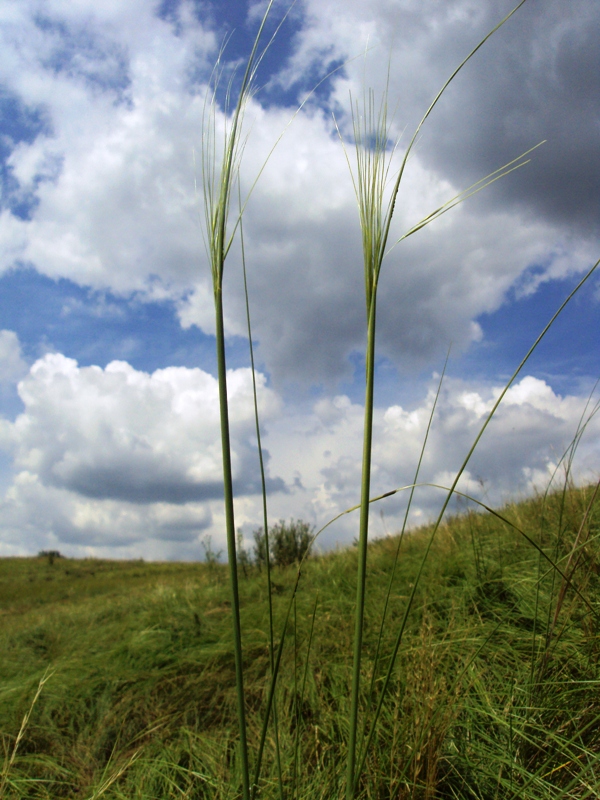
<point x="219" y="174"/>
<point x="376" y="205"/>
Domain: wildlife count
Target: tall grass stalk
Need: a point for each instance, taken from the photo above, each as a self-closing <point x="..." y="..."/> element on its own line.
<point x="263" y="484"/>
<point x="218" y="181"/>
<point x="376" y="207"/>
<point x="9" y="761"/>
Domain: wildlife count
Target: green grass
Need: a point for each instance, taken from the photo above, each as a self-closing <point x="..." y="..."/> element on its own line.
<point x="140" y="701"/>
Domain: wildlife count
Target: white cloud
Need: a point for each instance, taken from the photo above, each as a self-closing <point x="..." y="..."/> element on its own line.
<point x="12" y="364"/>
<point x="535" y="79"/>
<point x="119" y="462"/>
<point x="120" y="434"/>
<point x="116" y="162"/>
<point x="114" y="179"/>
<point x="518" y="452"/>
<point x="38" y="517"/>
<point x="115" y="459"/>
<point x="127" y="462"/>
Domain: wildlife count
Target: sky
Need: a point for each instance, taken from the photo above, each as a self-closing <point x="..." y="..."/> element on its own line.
<point x="109" y="430"/>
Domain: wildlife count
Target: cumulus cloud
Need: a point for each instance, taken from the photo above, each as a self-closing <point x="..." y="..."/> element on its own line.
<point x="108" y="458"/>
<point x="319" y="454"/>
<point x="38" y="517"/>
<point x="120" y="434"/>
<point x="305" y="264"/>
<point x="112" y="171"/>
<point x="537" y="78"/>
<point x="124" y="462"/>
<point x="116" y="160"/>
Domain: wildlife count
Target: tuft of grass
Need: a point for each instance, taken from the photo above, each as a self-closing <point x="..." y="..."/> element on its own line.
<point x="219" y="175"/>
<point x="377" y="189"/>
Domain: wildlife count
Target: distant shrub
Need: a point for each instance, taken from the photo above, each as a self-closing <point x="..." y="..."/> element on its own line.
<point x="244" y="559"/>
<point x="288" y="543"/>
<point x="210" y="556"/>
<point x="50" y="555"/>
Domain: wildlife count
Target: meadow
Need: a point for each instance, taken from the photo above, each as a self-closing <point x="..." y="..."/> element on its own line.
<point x="494" y="693"/>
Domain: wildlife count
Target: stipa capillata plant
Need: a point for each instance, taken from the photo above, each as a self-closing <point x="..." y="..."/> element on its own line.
<point x="377" y="190"/>
<point x="219" y="176"/>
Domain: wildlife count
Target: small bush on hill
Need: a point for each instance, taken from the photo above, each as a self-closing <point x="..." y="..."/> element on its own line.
<point x="51" y="555"/>
<point x="288" y="543"/>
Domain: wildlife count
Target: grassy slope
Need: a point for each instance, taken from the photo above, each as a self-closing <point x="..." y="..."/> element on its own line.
<point x="141" y="700"/>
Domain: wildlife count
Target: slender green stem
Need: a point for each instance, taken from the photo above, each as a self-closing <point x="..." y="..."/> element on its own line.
<point x="263" y="484"/>
<point x="295" y="706"/>
<point x="373" y="163"/>
<point x="218" y="178"/>
<point x="272" y="685"/>
<point x="231" y="542"/>
<point x="402" y="532"/>
<point x="362" y="548"/>
<point x="297" y="773"/>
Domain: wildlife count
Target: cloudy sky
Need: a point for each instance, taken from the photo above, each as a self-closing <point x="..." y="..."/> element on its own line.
<point x="109" y="438"/>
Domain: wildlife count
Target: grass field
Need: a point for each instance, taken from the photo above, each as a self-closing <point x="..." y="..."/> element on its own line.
<point x="495" y="692"/>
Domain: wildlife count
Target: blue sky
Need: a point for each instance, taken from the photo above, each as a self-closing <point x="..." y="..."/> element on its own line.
<point x="108" y="434"/>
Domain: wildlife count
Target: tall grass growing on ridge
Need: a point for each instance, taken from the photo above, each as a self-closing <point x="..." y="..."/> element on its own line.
<point x="218" y="180"/>
<point x="376" y="210"/>
<point x="141" y="702"/>
<point x="377" y="190"/>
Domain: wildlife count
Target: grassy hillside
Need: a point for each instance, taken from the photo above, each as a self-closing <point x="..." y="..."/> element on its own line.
<point x="494" y="694"/>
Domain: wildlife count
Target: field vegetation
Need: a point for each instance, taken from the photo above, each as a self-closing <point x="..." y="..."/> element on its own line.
<point x="495" y="692"/>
